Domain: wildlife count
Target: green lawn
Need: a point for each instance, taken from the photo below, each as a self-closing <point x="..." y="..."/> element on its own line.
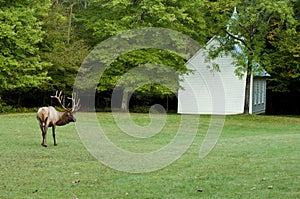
<point x="255" y="157"/>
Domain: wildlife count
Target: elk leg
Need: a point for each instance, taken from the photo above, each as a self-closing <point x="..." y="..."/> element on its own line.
<point x="44" y="132"/>
<point x="53" y="134"/>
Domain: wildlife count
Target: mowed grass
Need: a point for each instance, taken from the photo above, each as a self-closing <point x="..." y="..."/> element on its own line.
<point x="255" y="157"/>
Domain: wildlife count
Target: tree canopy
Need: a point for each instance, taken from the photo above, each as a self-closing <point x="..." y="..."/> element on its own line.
<point x="254" y="24"/>
<point x="20" y="36"/>
<point x="108" y="18"/>
<point x="44" y="42"/>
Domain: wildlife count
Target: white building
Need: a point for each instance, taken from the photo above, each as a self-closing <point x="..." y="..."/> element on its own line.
<point x="212" y="92"/>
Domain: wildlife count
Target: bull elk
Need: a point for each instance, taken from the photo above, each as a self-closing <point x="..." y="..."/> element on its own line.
<point x="49" y="117"/>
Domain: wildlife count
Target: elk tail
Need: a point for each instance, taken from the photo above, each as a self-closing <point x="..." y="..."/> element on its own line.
<point x="44" y="122"/>
<point x="42" y="117"/>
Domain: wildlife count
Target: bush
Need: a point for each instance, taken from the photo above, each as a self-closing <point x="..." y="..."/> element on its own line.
<point x="4" y="108"/>
<point x="140" y="109"/>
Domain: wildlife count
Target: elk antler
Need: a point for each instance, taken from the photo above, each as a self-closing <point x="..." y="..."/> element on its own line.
<point x="75" y="106"/>
<point x="59" y="97"/>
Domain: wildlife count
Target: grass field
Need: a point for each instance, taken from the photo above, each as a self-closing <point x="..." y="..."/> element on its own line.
<point x="255" y="157"/>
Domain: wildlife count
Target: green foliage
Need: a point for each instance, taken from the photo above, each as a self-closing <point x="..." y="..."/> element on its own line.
<point x="107" y="18"/>
<point x="3" y="107"/>
<point x="285" y="65"/>
<point x="158" y="63"/>
<point x="61" y="48"/>
<point x="250" y="29"/>
<point x="284" y="54"/>
<point x="43" y="43"/>
<point x="20" y="36"/>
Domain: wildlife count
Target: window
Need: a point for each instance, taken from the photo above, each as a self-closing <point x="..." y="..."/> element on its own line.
<point x="259" y="92"/>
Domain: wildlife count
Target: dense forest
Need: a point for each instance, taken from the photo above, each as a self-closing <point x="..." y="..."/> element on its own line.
<point x="44" y="42"/>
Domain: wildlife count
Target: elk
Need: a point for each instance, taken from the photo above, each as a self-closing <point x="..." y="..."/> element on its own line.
<point x="50" y="117"/>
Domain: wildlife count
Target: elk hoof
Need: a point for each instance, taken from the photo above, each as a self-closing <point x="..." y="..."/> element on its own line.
<point x="55" y="144"/>
<point x="44" y="145"/>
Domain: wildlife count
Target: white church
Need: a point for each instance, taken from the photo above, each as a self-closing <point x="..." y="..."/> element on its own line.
<point x="219" y="92"/>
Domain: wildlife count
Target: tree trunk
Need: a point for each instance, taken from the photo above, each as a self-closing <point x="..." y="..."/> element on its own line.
<point x="247" y="89"/>
<point x="125" y="101"/>
<point x="19" y="103"/>
<point x="85" y="4"/>
<point x="70" y="23"/>
<point x="247" y="94"/>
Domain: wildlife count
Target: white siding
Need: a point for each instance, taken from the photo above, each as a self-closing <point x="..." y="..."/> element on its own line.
<point x="207" y="92"/>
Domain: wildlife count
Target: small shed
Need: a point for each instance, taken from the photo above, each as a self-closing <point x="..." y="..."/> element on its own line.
<point x="258" y="94"/>
<point x="219" y="92"/>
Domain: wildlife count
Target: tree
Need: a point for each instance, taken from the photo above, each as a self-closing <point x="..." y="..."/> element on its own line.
<point x="61" y="47"/>
<point x="20" y="36"/>
<point x="284" y="51"/>
<point x="250" y="29"/>
<point x="163" y="64"/>
<point x="107" y="18"/>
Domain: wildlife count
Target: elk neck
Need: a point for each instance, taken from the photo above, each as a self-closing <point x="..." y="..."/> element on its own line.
<point x="63" y="118"/>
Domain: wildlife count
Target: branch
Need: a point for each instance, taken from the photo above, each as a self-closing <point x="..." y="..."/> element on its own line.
<point x="269" y="19"/>
<point x="244" y="27"/>
<point x="259" y="20"/>
<point x="237" y="38"/>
